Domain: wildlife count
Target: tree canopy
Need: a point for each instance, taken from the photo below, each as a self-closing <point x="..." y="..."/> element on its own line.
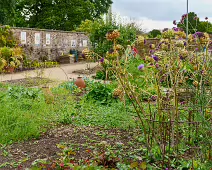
<point x="154" y="33"/>
<point x="194" y="24"/>
<point x="52" y="14"/>
<point x="7" y="11"/>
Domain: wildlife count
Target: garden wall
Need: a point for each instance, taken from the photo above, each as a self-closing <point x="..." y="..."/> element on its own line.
<point x="49" y="44"/>
<point x="146" y="48"/>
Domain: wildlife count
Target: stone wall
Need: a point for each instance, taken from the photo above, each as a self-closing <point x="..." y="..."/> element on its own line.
<point x="50" y="44"/>
<point x="146" y="48"/>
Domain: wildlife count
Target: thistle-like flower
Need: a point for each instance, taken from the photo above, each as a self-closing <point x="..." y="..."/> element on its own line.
<point x="155" y="58"/>
<point x="152" y="46"/>
<point x="102" y="60"/>
<point x="112" y="35"/>
<point x="196" y="18"/>
<point x="141" y="67"/>
<point x="199" y="34"/>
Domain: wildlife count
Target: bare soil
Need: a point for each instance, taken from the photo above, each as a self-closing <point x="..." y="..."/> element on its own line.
<point x="88" y="71"/>
<point x="80" y="139"/>
<point x="29" y="82"/>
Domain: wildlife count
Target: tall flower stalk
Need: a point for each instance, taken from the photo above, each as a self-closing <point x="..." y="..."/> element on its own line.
<point x="176" y="72"/>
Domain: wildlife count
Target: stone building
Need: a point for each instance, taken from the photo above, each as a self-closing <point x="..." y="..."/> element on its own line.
<point x="49" y="44"/>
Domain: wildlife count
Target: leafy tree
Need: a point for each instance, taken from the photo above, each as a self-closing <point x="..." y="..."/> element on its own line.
<point x="98" y="29"/>
<point x="205" y="26"/>
<point x="7" y="11"/>
<point x="60" y="14"/>
<point x="154" y="33"/>
<point x="194" y="24"/>
<point x="193" y="21"/>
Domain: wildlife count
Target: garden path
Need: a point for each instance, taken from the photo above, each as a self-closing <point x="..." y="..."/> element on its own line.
<point x="61" y="73"/>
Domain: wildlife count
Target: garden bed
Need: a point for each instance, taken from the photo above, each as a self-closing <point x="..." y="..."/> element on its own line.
<point x="81" y="141"/>
<point x="88" y="71"/>
<point x="29" y="82"/>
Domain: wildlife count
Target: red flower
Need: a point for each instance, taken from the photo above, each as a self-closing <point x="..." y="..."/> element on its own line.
<point x="135" y="51"/>
<point x="88" y="150"/>
<point x="62" y="165"/>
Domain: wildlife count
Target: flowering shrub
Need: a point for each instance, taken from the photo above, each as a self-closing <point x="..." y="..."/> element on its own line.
<point x="179" y="116"/>
<point x="10" y="57"/>
<point x="6" y="37"/>
<point x="10" y="53"/>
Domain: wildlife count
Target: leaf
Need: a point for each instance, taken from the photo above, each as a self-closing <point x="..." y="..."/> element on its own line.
<point x="59" y="146"/>
<point x="143" y="165"/>
<point x="134" y="165"/>
<point x="71" y="153"/>
<point x="195" y="164"/>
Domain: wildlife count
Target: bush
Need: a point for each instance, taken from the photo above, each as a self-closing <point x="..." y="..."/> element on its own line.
<point x="101" y="93"/>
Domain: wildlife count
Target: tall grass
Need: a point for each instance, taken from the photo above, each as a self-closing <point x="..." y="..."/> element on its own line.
<point x="23" y="117"/>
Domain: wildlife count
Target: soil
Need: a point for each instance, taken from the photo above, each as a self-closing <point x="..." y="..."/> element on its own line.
<point x="29" y="82"/>
<point x="80" y="139"/>
<point x="88" y="71"/>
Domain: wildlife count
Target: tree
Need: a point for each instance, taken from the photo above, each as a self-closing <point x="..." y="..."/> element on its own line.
<point x="193" y="21"/>
<point x="60" y="14"/>
<point x="194" y="24"/>
<point x="98" y="29"/>
<point x="154" y="33"/>
<point x="7" y="11"/>
<point x="205" y="26"/>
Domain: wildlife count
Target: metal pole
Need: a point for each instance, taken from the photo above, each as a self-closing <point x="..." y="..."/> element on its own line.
<point x="187" y="23"/>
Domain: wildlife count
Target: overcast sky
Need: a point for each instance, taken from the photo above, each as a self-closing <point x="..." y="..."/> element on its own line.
<point x="159" y="14"/>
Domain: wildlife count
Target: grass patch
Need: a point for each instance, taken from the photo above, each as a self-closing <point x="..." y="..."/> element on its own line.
<point x="116" y="115"/>
<point x="25" y="114"/>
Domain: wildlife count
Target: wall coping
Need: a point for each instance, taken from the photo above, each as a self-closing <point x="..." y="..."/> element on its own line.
<point x="46" y="30"/>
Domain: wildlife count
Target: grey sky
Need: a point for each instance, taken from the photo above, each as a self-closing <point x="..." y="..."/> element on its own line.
<point x="160" y="13"/>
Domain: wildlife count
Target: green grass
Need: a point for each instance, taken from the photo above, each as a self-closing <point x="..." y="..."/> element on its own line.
<point x="24" y="117"/>
<point x="24" y="114"/>
<point x="116" y="115"/>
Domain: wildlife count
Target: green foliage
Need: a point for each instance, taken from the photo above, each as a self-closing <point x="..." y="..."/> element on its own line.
<point x="114" y="115"/>
<point x="154" y="33"/>
<point x="100" y="93"/>
<point x="7" y="11"/>
<point x="25" y="114"/>
<point x="194" y="24"/>
<point x="100" y="75"/>
<point x="6" y="53"/>
<point x="70" y="86"/>
<point x="6" y="37"/>
<point x="10" y="57"/>
<point x="184" y="97"/>
<point x="21" y="93"/>
<point x="60" y="15"/>
<point x="21" y="119"/>
<point x="205" y="26"/>
<point x="98" y="29"/>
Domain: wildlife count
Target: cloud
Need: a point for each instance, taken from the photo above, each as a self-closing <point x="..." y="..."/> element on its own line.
<point x="160" y="13"/>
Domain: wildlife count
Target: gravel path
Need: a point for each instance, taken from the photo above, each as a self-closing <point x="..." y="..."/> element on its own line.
<point x="61" y="73"/>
